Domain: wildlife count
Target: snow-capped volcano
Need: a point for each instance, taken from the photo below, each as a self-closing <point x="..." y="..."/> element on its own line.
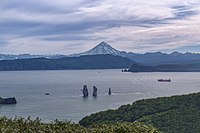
<point x="102" y="48"/>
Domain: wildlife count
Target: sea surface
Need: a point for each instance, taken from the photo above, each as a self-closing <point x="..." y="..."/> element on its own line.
<point x="65" y="101"/>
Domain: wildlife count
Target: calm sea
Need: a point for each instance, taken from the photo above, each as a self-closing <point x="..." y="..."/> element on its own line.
<point x="65" y="101"/>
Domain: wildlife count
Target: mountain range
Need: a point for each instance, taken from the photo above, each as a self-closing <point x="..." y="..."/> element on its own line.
<point x="147" y="59"/>
<point x="28" y="56"/>
<point x="151" y="59"/>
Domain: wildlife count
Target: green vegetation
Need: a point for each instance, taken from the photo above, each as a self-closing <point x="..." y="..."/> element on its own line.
<point x="169" y="114"/>
<point x="20" y="125"/>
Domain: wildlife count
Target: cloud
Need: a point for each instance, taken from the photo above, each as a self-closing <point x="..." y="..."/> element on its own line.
<point x="65" y="27"/>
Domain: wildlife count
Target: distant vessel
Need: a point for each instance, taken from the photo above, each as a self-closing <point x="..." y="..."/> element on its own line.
<point x="47" y="94"/>
<point x="164" y="80"/>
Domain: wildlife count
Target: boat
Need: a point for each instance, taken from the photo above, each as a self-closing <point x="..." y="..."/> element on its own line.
<point x="47" y="94"/>
<point x="164" y="80"/>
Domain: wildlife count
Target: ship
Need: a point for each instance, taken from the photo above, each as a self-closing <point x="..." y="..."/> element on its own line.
<point x="164" y="80"/>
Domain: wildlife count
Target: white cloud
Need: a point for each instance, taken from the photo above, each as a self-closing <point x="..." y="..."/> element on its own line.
<point x="137" y="26"/>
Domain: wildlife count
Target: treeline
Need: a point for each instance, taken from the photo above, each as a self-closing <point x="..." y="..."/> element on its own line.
<point x="169" y="114"/>
<point x="20" y="125"/>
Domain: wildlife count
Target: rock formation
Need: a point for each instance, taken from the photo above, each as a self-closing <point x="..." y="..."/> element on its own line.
<point x="8" y="101"/>
<point x="109" y="92"/>
<point x="1" y="100"/>
<point x="85" y="91"/>
<point x="94" y="91"/>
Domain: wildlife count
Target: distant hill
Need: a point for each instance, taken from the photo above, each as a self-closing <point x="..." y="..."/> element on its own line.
<point x="67" y="63"/>
<point x="157" y="58"/>
<point x="176" y="114"/>
<point x="192" y="67"/>
<point x="151" y="59"/>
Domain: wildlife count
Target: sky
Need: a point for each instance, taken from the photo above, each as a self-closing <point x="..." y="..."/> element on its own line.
<point x="73" y="26"/>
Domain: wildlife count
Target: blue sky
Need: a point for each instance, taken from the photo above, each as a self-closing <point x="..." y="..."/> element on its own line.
<point x="66" y="26"/>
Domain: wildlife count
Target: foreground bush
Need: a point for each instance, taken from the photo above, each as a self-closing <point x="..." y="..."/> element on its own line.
<point x="20" y="125"/>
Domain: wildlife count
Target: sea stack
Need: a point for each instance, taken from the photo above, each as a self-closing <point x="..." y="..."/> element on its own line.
<point x="94" y="91"/>
<point x="109" y="92"/>
<point x="85" y="91"/>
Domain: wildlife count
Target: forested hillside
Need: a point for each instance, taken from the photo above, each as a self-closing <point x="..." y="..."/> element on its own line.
<point x="176" y="114"/>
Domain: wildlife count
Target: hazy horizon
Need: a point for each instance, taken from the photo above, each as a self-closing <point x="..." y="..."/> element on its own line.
<point x="67" y="27"/>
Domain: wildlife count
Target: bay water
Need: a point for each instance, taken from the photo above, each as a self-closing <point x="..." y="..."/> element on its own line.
<point x="65" y="101"/>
